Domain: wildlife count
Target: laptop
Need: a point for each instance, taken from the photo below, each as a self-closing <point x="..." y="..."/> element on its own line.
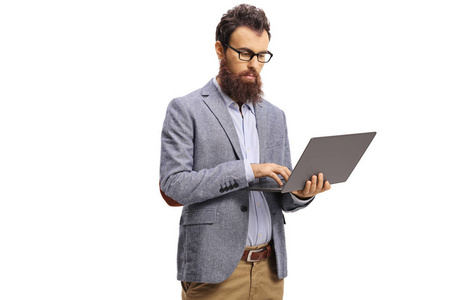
<point x="334" y="156"/>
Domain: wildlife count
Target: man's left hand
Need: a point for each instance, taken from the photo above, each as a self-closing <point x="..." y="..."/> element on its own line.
<point x="313" y="187"/>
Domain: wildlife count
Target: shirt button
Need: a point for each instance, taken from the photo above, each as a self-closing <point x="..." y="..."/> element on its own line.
<point x="244" y="208"/>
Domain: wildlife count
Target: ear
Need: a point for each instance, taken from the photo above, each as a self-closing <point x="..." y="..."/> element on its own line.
<point x="219" y="50"/>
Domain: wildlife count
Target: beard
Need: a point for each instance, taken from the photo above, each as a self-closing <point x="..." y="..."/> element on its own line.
<point x="239" y="89"/>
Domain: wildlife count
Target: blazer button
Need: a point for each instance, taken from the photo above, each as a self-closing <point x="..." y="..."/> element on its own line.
<point x="244" y="208"/>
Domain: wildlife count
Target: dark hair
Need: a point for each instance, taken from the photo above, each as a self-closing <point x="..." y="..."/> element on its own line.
<point x="241" y="15"/>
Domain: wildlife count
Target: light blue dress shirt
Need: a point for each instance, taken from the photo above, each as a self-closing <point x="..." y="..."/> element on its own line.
<point x="260" y="222"/>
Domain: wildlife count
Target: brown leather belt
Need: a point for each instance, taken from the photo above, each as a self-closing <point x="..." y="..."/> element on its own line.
<point x="256" y="255"/>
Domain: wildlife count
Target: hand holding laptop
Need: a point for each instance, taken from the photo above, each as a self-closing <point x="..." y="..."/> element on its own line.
<point x="312" y="187"/>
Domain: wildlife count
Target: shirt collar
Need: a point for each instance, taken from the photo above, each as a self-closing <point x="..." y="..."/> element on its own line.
<point x="228" y="101"/>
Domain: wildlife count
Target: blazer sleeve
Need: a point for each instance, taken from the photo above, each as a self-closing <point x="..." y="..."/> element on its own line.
<point x="178" y="179"/>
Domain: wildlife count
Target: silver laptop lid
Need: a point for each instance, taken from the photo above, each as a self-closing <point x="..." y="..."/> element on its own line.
<point x="334" y="156"/>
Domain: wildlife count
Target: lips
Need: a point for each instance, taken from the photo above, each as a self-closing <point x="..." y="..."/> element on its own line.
<point x="248" y="75"/>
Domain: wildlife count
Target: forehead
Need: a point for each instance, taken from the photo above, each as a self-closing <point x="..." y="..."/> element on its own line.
<point x="244" y="37"/>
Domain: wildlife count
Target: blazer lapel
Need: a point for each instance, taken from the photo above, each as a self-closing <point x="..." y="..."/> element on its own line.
<point x="214" y="101"/>
<point x="261" y="125"/>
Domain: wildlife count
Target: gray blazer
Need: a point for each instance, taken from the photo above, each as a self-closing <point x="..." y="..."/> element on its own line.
<point x="202" y="169"/>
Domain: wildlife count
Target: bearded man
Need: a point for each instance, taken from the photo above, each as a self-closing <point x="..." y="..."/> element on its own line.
<point x="215" y="141"/>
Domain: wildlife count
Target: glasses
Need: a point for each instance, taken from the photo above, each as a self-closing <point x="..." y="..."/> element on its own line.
<point x="247" y="55"/>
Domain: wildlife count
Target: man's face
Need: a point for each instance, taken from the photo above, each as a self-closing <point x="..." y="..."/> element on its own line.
<point x="244" y="38"/>
<point x="240" y="79"/>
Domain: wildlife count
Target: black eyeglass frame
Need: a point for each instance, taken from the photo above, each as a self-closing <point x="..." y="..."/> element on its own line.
<point x="251" y="57"/>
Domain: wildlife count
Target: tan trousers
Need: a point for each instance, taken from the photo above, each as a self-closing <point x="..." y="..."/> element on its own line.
<point x="250" y="281"/>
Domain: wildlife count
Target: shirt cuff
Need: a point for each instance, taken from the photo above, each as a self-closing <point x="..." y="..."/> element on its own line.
<point x="249" y="175"/>
<point x="300" y="201"/>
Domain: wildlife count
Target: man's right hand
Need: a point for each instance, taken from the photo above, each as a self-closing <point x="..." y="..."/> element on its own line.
<point x="312" y="187"/>
<point x="271" y="170"/>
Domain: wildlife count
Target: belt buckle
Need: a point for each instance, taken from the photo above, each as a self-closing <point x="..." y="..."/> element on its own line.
<point x="250" y="252"/>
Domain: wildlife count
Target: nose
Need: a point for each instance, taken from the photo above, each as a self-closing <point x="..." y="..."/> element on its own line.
<point x="254" y="64"/>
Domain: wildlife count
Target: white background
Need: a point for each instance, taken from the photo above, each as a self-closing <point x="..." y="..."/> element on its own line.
<point x="84" y="87"/>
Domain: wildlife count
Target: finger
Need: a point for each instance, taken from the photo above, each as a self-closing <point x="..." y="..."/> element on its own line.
<point x="276" y="178"/>
<point x="313" y="184"/>
<point x="320" y="182"/>
<point x="281" y="170"/>
<point x="307" y="188"/>
<point x="327" y="185"/>
<point x="288" y="172"/>
<point x="285" y="172"/>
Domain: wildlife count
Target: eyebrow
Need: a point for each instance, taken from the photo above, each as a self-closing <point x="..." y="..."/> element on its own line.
<point x="250" y="50"/>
